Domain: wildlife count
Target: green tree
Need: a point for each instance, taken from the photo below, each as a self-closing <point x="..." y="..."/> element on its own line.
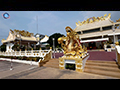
<point x="56" y="36"/>
<point x="3" y="47"/>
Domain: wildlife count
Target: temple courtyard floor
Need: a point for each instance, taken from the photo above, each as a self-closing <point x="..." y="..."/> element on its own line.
<point x="25" y="71"/>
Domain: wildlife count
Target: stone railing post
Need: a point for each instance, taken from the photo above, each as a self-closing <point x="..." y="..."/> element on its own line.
<point x="25" y="52"/>
<point x="32" y="52"/>
<point x="15" y="52"/>
<point x="40" y="52"/>
<point x="51" y="52"/>
<point x="20" y="52"/>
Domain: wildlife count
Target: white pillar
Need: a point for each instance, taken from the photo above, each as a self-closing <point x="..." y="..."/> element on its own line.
<point x="9" y="47"/>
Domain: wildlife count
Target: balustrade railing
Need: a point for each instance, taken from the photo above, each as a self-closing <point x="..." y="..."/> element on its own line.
<point x="29" y="53"/>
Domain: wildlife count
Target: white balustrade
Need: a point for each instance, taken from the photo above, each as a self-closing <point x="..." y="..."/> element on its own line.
<point x="30" y="53"/>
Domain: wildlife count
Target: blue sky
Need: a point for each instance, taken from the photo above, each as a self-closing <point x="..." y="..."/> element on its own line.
<point x="49" y="22"/>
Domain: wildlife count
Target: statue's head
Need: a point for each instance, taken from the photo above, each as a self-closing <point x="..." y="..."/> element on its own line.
<point x="69" y="31"/>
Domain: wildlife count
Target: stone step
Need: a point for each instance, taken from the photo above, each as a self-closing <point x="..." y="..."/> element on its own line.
<point x="107" y="68"/>
<point x="98" y="61"/>
<point x="53" y="60"/>
<point x="54" y="63"/>
<point x="110" y="68"/>
<point x="102" y="64"/>
<point x="103" y="72"/>
<point x="51" y="65"/>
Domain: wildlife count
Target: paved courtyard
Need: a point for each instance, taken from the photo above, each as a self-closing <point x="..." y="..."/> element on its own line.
<point x="23" y="71"/>
<point x="26" y="71"/>
<point x="52" y="73"/>
<point x="17" y="67"/>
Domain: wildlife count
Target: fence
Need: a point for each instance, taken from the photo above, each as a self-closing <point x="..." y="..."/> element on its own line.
<point x="118" y="54"/>
<point x="45" y="54"/>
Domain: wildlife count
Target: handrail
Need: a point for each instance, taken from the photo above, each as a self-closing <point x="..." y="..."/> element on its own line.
<point x="118" y="54"/>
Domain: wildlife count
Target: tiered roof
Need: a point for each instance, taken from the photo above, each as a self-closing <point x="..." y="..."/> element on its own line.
<point x="94" y="22"/>
<point x="17" y="35"/>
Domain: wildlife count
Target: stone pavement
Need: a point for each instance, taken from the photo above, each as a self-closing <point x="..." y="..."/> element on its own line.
<point x="17" y="68"/>
<point x="53" y="73"/>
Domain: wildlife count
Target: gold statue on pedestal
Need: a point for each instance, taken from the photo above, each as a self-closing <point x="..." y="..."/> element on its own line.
<point x="73" y="51"/>
<point x="72" y="45"/>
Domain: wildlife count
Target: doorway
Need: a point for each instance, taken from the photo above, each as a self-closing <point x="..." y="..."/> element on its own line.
<point x="70" y="66"/>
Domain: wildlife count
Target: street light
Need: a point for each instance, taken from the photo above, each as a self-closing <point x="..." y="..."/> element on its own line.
<point x="54" y="46"/>
<point x="114" y="34"/>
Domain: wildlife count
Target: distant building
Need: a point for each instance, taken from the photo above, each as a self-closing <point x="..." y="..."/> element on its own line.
<point x="95" y="31"/>
<point x="21" y="37"/>
<point x="42" y="40"/>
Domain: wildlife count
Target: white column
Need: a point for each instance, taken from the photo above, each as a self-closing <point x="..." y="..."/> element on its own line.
<point x="9" y="47"/>
<point x="101" y="29"/>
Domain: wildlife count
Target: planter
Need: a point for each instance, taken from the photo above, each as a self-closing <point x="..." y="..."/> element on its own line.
<point x="108" y="49"/>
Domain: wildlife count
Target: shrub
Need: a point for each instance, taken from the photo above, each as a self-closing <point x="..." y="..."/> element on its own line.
<point x="20" y="58"/>
<point x="24" y="58"/>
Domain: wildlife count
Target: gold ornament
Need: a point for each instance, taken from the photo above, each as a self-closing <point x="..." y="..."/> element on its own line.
<point x="77" y="24"/>
<point x="72" y="46"/>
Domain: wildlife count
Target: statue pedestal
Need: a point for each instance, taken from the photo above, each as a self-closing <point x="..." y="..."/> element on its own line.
<point x="79" y="62"/>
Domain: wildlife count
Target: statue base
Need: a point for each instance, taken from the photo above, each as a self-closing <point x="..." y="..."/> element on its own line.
<point x="79" y="62"/>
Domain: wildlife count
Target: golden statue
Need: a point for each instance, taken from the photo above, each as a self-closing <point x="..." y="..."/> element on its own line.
<point x="71" y="46"/>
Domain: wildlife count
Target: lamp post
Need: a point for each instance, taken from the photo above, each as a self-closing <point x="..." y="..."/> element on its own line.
<point x="54" y="46"/>
<point x="114" y="34"/>
<point x="20" y="41"/>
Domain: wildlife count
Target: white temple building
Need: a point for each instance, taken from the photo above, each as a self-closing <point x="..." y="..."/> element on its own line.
<point x="96" y="31"/>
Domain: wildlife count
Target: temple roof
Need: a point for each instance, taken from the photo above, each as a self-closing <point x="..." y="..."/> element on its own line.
<point x="94" y="25"/>
<point x="13" y="37"/>
<point x="94" y="22"/>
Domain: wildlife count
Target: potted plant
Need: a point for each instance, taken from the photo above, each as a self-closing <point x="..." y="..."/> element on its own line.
<point x="108" y="48"/>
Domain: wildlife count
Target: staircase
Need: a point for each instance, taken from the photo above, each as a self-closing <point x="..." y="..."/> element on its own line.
<point x="54" y="63"/>
<point x="106" y="68"/>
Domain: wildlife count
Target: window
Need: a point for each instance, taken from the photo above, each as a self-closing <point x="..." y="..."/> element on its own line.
<point x="107" y="28"/>
<point x="92" y="30"/>
<point x="79" y="32"/>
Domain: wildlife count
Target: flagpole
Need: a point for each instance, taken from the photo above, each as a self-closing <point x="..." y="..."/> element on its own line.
<point x="37" y="23"/>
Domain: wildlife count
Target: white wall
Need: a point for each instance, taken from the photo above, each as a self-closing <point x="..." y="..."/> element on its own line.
<point x="9" y="47"/>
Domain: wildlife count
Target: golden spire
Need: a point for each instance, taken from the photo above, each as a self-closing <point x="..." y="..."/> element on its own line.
<point x="91" y="20"/>
<point x="77" y="24"/>
<point x="118" y="20"/>
<point x="109" y="15"/>
<point x="105" y="15"/>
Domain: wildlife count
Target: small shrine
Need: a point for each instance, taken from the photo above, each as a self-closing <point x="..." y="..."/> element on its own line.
<point x="74" y="53"/>
<point x="20" y="37"/>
